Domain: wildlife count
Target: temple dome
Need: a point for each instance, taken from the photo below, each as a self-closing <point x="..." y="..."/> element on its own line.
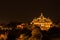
<point x="42" y="21"/>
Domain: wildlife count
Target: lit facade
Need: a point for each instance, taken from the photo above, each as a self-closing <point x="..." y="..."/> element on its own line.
<point x="42" y="22"/>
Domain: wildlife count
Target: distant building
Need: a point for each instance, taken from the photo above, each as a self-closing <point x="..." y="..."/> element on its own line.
<point x="42" y="22"/>
<point x="21" y="26"/>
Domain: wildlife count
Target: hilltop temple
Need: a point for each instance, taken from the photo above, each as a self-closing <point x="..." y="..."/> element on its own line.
<point x="43" y="22"/>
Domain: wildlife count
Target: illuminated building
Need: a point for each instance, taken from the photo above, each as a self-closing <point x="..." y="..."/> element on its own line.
<point x="3" y="36"/>
<point x="21" y="26"/>
<point x="42" y="22"/>
<point x="22" y="37"/>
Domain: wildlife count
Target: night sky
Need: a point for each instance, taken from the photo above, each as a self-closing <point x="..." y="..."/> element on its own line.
<point x="26" y="10"/>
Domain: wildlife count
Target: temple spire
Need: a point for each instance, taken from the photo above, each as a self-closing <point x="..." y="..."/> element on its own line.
<point x="41" y="14"/>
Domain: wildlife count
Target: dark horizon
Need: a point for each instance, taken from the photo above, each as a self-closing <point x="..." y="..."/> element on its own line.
<point x="26" y="10"/>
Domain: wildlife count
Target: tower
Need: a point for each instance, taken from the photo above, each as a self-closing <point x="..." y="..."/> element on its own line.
<point x="42" y="22"/>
